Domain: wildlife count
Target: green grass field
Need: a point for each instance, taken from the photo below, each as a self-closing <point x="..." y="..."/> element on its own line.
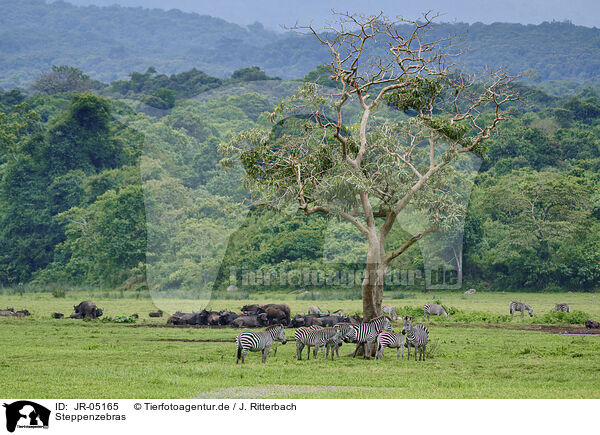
<point x="47" y="358"/>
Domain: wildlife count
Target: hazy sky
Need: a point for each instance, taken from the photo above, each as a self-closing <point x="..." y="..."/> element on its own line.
<point x="273" y="13"/>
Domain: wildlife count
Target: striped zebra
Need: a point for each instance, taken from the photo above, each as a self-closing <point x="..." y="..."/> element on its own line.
<point x="561" y="307"/>
<point x="319" y="338"/>
<point x="519" y="306"/>
<point x="390" y="339"/>
<point x="348" y="335"/>
<point x="300" y="341"/>
<point x="417" y="336"/>
<point x="435" y="309"/>
<point x="258" y="341"/>
<point x="367" y="333"/>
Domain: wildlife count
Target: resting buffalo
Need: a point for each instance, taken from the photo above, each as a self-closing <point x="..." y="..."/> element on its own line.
<point x="158" y="313"/>
<point x="591" y="324"/>
<point x="86" y="310"/>
<point x="58" y="315"/>
<point x="252" y="321"/>
<point x="22" y="313"/>
<point x="226" y="317"/>
<point x="7" y="313"/>
<point x="260" y="309"/>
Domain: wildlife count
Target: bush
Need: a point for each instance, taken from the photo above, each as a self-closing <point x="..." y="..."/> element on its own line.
<point x="573" y="318"/>
<point x="119" y="319"/>
<point x="59" y="293"/>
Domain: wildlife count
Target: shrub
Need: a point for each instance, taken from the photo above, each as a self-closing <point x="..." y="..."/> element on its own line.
<point x="574" y="317"/>
<point x="59" y="293"/>
<point x="119" y="319"/>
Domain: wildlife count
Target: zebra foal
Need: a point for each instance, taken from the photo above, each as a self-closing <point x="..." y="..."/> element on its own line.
<point x="390" y="339"/>
<point x="250" y="341"/>
<point x="519" y="306"/>
<point x="417" y="336"/>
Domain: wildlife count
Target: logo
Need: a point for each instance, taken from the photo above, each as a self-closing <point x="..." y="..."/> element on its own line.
<point x="26" y="414"/>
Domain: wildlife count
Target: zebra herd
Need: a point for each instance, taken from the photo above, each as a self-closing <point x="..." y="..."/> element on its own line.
<point x="378" y="330"/>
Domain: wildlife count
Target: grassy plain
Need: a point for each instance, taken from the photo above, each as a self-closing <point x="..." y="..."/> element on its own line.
<point x="47" y="358"/>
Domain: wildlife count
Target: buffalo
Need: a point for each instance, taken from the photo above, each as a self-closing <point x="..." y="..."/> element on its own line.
<point x="269" y="310"/>
<point x="86" y="310"/>
<point x="58" y="315"/>
<point x="251" y="321"/>
<point x="591" y="324"/>
<point x="158" y="313"/>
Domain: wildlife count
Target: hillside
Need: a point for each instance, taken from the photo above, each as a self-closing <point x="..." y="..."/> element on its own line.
<point x="109" y="42"/>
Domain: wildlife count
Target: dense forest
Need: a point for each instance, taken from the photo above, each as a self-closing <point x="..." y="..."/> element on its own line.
<point x="107" y="184"/>
<point x="110" y="42"/>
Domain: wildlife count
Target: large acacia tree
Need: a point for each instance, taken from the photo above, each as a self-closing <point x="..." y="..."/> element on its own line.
<point x="369" y="171"/>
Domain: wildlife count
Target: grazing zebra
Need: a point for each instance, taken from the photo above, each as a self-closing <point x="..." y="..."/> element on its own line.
<point x="435" y="309"/>
<point x="367" y="333"/>
<point x="390" y="339"/>
<point x="258" y="341"/>
<point x="561" y="307"/>
<point x="390" y="311"/>
<point x="318" y="338"/>
<point x="300" y="342"/>
<point x="417" y="336"/>
<point x="519" y="306"/>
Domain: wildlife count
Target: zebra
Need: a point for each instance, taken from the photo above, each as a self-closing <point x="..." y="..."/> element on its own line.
<point x="319" y="338"/>
<point x="367" y="333"/>
<point x="435" y="309"/>
<point x="417" y="336"/>
<point x="390" y="339"/>
<point x="561" y="307"/>
<point x="519" y="306"/>
<point x="258" y="341"/>
<point x="348" y="334"/>
<point x="390" y="311"/>
<point x="299" y="334"/>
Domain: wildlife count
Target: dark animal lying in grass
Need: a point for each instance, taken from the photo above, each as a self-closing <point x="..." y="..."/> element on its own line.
<point x="8" y="312"/>
<point x="22" y="313"/>
<point x="260" y="309"/>
<point x="135" y="315"/>
<point x="226" y="317"/>
<point x="158" y="313"/>
<point x="58" y="315"/>
<point x="313" y="320"/>
<point x="591" y="324"/>
<point x="252" y="321"/>
<point x="87" y="310"/>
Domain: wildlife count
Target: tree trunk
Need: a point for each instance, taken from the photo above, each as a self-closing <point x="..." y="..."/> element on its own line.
<point x="372" y="285"/>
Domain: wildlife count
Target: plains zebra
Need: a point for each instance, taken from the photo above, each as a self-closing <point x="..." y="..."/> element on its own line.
<point x="390" y="311"/>
<point x="367" y="333"/>
<point x="435" y="309"/>
<point x="519" y="306"/>
<point x="258" y="341"/>
<point x="300" y="342"/>
<point x="348" y="335"/>
<point x="561" y="307"/>
<point x="390" y="339"/>
<point x="417" y="336"/>
<point x="319" y="338"/>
